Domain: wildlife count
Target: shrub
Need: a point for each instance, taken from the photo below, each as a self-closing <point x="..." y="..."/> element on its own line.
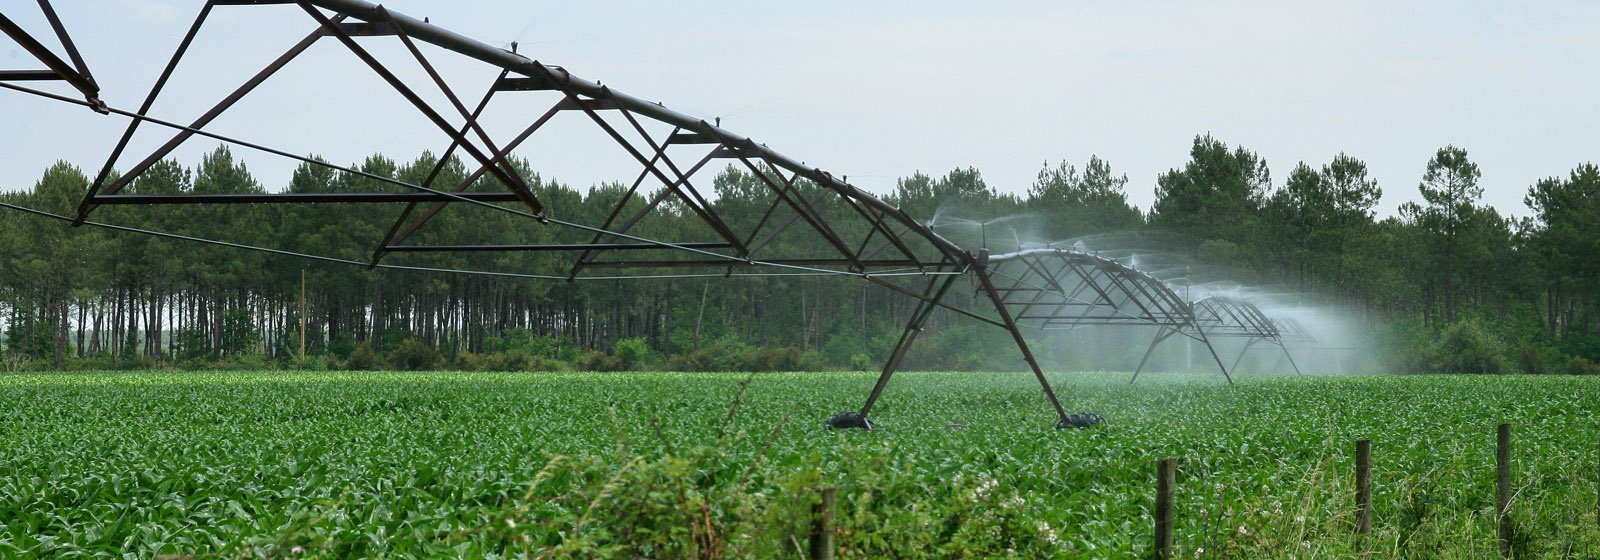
<point x="1578" y="365"/>
<point x="414" y="355"/>
<point x="342" y="345"/>
<point x="393" y="336"/>
<point x="599" y="361"/>
<point x="190" y="345"/>
<point x="507" y="361"/>
<point x="632" y="352"/>
<point x="310" y="363"/>
<point x="527" y="342"/>
<point x="1468" y="347"/>
<point x="466" y="361"/>
<point x="1530" y="357"/>
<point x="861" y="361"/>
<point x="362" y="358"/>
<point x="102" y="360"/>
<point x="242" y="362"/>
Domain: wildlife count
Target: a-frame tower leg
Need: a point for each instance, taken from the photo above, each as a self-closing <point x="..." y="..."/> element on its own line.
<point x="1027" y="354"/>
<point x="1207" y="341"/>
<point x="1160" y="336"/>
<point x="1242" y="352"/>
<point x="925" y="305"/>
<point x="1291" y="358"/>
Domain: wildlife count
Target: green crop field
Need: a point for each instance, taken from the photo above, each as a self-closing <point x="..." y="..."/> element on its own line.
<point x="704" y="465"/>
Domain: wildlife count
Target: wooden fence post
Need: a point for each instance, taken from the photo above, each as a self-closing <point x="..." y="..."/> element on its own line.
<point x="1502" y="485"/>
<point x="1166" y="478"/>
<point x="1364" y="486"/>
<point x="822" y="526"/>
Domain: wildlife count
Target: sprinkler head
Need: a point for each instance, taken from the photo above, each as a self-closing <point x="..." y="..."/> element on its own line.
<point x="845" y="420"/>
<point x="1081" y="420"/>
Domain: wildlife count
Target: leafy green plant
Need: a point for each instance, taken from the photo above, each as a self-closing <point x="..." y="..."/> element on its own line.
<point x="1468" y="347"/>
<point x="363" y="358"/>
<point x="341" y="464"/>
<point x="414" y="355"/>
<point x="632" y="352"/>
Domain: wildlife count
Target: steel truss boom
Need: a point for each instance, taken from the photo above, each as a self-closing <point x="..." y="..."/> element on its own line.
<point x="842" y="230"/>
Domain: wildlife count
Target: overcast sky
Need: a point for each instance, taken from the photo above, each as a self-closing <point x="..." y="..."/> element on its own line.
<point x="879" y="90"/>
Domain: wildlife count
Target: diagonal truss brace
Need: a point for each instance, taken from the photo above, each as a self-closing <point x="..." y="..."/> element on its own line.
<point x="75" y="74"/>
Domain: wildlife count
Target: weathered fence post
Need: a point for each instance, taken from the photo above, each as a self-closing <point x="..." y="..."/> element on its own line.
<point x="1166" y="478"/>
<point x="1502" y="485"/>
<point x="1364" y="486"/>
<point x="822" y="526"/>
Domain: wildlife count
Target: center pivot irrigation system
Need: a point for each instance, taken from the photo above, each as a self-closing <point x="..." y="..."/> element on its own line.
<point x="844" y="231"/>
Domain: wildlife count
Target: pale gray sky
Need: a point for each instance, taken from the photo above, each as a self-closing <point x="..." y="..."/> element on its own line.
<point x="879" y="90"/>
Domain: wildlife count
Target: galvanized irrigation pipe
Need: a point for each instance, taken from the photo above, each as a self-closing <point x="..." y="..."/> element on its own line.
<point x="517" y="63"/>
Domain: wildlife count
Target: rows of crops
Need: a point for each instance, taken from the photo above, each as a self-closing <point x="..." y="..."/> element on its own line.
<point x="683" y="465"/>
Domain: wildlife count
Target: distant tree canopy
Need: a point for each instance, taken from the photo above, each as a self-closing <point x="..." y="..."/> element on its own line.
<point x="1446" y="265"/>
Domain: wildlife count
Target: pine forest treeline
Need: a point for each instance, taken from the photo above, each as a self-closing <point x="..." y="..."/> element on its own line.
<point x="1450" y="283"/>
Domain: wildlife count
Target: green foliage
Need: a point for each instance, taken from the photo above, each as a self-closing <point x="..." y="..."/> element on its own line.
<point x="414" y="355"/>
<point x="1443" y="259"/>
<point x="1578" y="365"/>
<point x="239" y="333"/>
<point x="728" y="354"/>
<point x="242" y="362"/>
<point x="526" y="342"/>
<point x="28" y="337"/>
<point x="599" y="361"/>
<point x="967" y="346"/>
<point x="627" y="465"/>
<point x="310" y="363"/>
<point x="395" y="336"/>
<point x="1468" y="346"/>
<point x="632" y="352"/>
<point x="342" y="345"/>
<point x="191" y="344"/>
<point x="1215" y="196"/>
<point x="862" y="362"/>
<point x="843" y="340"/>
<point x="363" y="358"/>
<point x="1082" y="203"/>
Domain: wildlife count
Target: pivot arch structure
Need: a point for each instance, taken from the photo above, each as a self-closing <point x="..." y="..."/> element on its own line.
<point x="1051" y="288"/>
<point x="1064" y="289"/>
<point x="842" y="230"/>
<point x="1224" y="317"/>
<point x="1235" y="317"/>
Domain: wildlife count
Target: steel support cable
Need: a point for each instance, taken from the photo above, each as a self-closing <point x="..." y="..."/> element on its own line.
<point x="242" y="246"/>
<point x="574" y="85"/>
<point x="453" y="196"/>
<point x="438" y="167"/>
<point x="324" y="258"/>
<point x="149" y="101"/>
